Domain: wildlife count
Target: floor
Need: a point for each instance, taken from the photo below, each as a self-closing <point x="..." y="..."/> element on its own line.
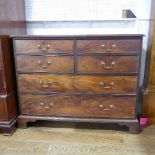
<point x="46" y="138"/>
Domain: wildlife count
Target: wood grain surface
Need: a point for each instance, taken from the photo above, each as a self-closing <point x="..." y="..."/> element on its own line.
<point x="44" y="46"/>
<point x="109" y="46"/>
<point x="8" y="107"/>
<point x="78" y="106"/>
<point x="2" y="110"/>
<point x="7" y="70"/>
<point x="108" y="64"/>
<point x="53" y="64"/>
<point x="76" y="84"/>
<point x="52" y="138"/>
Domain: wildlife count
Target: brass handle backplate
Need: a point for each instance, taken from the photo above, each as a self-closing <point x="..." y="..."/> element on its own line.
<point x="113" y="46"/>
<point x="106" y="86"/>
<point x="108" y="47"/>
<point x="43" y="48"/>
<point x="108" y="50"/>
<point x="103" y="45"/>
<point x="101" y="106"/>
<point x="42" y="65"/>
<point x="47" y="106"/>
<point x="106" y="66"/>
<point x="45" y="84"/>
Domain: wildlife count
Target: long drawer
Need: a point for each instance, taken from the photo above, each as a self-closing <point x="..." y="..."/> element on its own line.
<point x="107" y="64"/>
<point x="109" y="46"/>
<point x="43" y="46"/>
<point x="78" y="106"/>
<point x="38" y="83"/>
<point x="60" y="64"/>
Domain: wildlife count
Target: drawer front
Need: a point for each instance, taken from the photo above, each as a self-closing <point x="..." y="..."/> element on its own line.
<point x="45" y="83"/>
<point x="78" y="106"/>
<point x="77" y="84"/>
<point x="108" y="64"/>
<point x="106" y="84"/>
<point x="44" y="46"/>
<point x="109" y="46"/>
<point x="60" y="64"/>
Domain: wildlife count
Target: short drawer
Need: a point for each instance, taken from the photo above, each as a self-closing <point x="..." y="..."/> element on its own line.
<point x="109" y="46"/>
<point x="78" y="106"/>
<point x="108" y="64"/>
<point x="106" y="84"/>
<point x="38" y="83"/>
<point x="53" y="64"/>
<point x="44" y="46"/>
<point x="77" y="84"/>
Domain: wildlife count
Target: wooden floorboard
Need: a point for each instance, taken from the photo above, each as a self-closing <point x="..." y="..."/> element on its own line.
<point x="77" y="139"/>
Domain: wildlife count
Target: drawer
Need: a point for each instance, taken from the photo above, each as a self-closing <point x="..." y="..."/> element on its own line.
<point x="37" y="83"/>
<point x="60" y="64"/>
<point x="109" y="46"/>
<point x="106" y="84"/>
<point x="77" y="84"/>
<point x="108" y="64"/>
<point x="78" y="106"/>
<point x="44" y="46"/>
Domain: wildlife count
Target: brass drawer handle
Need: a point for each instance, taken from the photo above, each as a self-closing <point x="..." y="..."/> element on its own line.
<point x="47" y="106"/>
<point x="103" y="45"/>
<point x="106" y="86"/>
<point x="101" y="106"/>
<point x="106" y="66"/>
<point x="114" y="45"/>
<point x="109" y="48"/>
<point x="43" y="49"/>
<point x="45" y="85"/>
<point x="42" y="65"/>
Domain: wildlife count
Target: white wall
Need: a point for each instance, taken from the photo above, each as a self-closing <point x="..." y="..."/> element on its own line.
<point x="83" y="10"/>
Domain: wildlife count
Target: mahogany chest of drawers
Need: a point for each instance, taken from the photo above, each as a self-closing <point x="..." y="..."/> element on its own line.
<point x="8" y="113"/>
<point x="79" y="78"/>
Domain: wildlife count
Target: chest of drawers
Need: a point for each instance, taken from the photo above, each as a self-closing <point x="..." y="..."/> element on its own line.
<point x="79" y="78"/>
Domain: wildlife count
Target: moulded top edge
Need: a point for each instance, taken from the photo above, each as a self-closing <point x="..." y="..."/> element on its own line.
<point x="77" y="36"/>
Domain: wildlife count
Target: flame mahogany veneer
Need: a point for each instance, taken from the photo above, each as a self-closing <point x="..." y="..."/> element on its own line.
<point x="79" y="78"/>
